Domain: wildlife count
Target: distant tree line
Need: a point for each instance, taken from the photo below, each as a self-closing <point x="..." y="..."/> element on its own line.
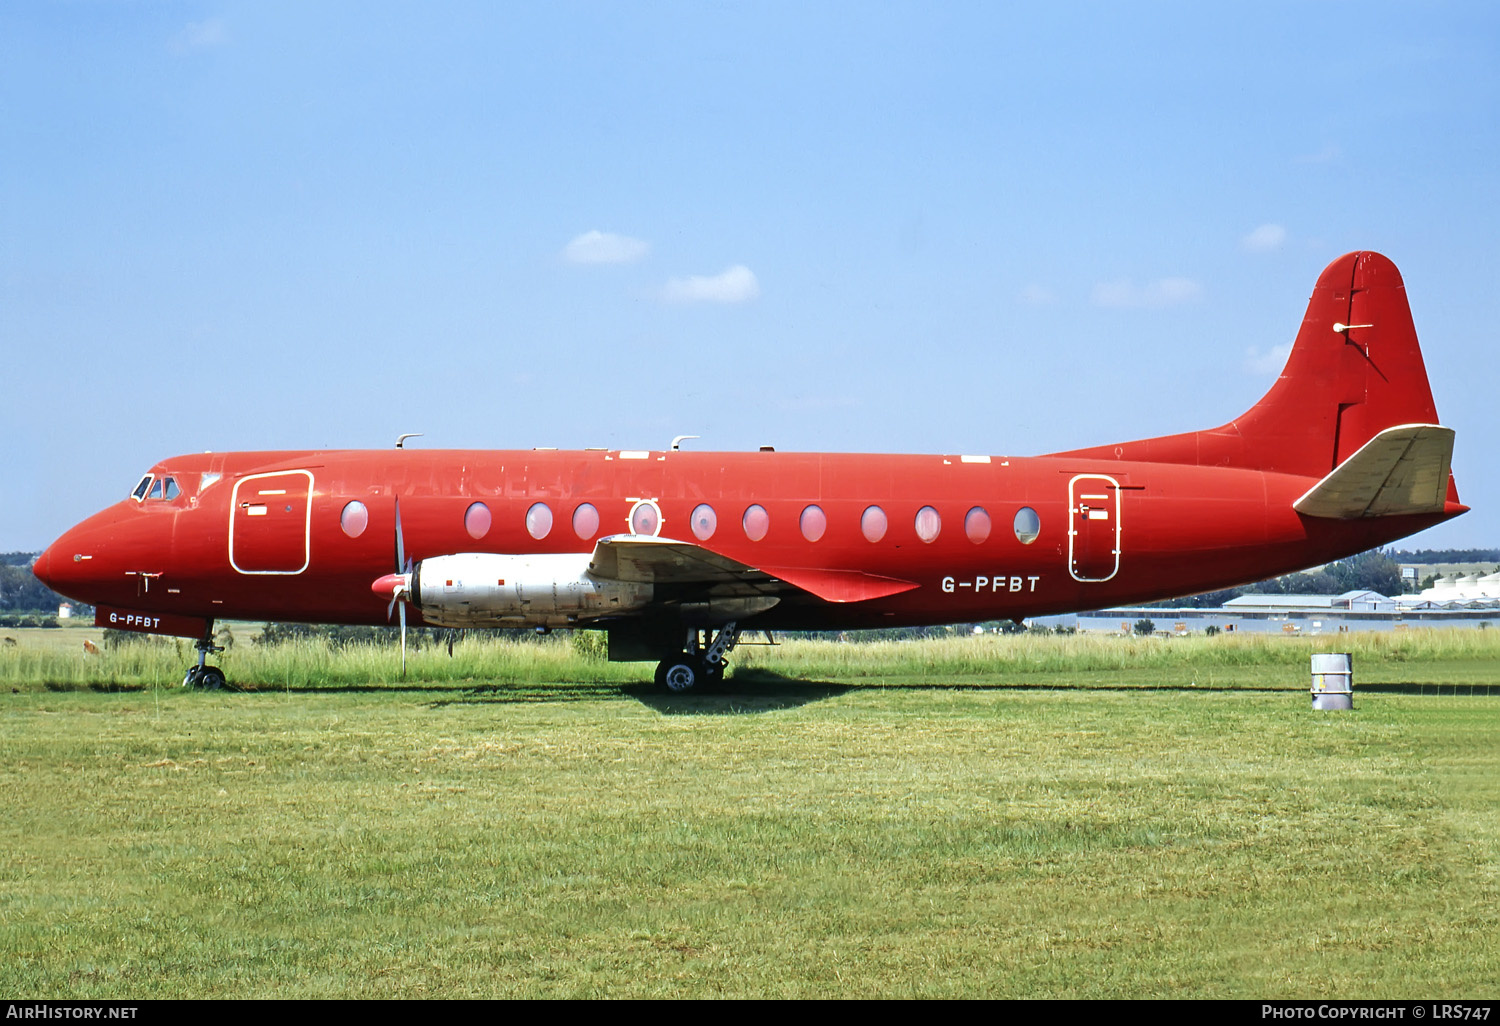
<point x="1446" y="555"/>
<point x="21" y="592"/>
<point x="1375" y="570"/>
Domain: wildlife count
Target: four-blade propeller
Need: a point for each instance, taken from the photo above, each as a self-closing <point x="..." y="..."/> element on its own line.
<point x="397" y="586"/>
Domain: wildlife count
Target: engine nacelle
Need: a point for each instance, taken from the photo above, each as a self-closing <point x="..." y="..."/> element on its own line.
<point x="482" y="589"/>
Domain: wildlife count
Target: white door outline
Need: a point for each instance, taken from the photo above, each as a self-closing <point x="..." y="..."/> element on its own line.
<point x="1097" y="501"/>
<point x="234" y="505"/>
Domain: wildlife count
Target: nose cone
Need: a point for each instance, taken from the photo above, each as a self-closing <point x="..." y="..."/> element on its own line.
<point x="92" y="561"/>
<point x="42" y="568"/>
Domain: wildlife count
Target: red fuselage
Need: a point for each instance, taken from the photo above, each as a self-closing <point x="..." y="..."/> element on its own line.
<point x="264" y="536"/>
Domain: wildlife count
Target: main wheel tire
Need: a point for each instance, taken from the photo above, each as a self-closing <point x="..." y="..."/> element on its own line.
<point x="190" y="680"/>
<point x="682" y="675"/>
<point x="212" y="679"/>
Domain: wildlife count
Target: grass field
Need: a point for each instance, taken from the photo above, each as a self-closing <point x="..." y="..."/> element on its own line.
<point x="1156" y="820"/>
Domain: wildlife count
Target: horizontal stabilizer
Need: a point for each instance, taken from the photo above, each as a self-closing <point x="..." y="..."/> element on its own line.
<point x="1401" y="470"/>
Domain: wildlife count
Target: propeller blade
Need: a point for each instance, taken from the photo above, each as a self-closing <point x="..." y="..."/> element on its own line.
<point x="403" y="641"/>
<point x="400" y="546"/>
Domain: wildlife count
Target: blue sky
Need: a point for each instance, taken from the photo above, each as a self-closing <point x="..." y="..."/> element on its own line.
<point x="860" y="227"/>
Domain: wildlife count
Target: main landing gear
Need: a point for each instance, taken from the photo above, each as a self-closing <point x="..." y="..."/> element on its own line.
<point x="701" y="664"/>
<point x="209" y="678"/>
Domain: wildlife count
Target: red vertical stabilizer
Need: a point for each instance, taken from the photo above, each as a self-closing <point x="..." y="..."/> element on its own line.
<point x="1355" y="369"/>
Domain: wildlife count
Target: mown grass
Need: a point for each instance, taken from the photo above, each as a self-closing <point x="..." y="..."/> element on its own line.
<point x="945" y="836"/>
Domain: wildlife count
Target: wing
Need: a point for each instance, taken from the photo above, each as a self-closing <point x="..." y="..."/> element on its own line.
<point x="642" y="558"/>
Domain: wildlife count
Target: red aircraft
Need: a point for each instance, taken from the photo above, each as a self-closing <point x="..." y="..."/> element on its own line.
<point x="674" y="553"/>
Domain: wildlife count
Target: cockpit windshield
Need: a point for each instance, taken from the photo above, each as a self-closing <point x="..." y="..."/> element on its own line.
<point x="156" y="488"/>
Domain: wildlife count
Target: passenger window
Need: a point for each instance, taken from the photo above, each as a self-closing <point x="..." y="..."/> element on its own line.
<point x="929" y="523"/>
<point x="873" y="523"/>
<point x="756" y="522"/>
<point x="645" y="518"/>
<point x="354" y="519"/>
<point x="1027" y="525"/>
<point x="705" y="522"/>
<point x="814" y="522"/>
<point x="586" y="521"/>
<point x="477" y="520"/>
<point x="977" y="525"/>
<point x="539" y="520"/>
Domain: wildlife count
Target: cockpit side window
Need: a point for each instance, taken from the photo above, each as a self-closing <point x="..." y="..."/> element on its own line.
<point x="140" y="489"/>
<point x="155" y="490"/>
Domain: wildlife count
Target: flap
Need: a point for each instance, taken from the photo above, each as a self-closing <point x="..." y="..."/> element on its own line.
<point x="1401" y="470"/>
<point x="841" y="585"/>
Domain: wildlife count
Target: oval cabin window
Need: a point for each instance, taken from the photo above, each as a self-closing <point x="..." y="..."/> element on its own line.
<point x="705" y="522"/>
<point x="977" y="525"/>
<point x="756" y="522"/>
<point x="1027" y="525"/>
<point x="586" y="521"/>
<point x="645" y="518"/>
<point x="354" y="519"/>
<point x="477" y="520"/>
<point x="539" y="520"/>
<point x="929" y="524"/>
<point x="814" y="522"/>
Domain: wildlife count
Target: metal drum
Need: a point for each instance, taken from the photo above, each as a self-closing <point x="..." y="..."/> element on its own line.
<point x="1332" y="680"/>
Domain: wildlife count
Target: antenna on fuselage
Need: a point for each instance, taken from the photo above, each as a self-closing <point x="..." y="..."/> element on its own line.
<point x="677" y="442"/>
<point x="401" y="441"/>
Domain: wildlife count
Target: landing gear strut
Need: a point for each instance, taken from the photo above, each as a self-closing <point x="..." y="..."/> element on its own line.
<point x="701" y="664"/>
<point x="209" y="678"/>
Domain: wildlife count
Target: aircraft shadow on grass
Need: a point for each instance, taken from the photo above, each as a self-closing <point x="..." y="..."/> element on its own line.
<point x="749" y="692"/>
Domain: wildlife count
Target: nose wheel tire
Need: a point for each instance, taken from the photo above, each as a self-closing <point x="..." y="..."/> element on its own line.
<point x="207" y="678"/>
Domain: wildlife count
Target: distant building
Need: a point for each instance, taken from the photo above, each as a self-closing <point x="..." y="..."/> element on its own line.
<point x="65" y="610"/>
<point x="1302" y="614"/>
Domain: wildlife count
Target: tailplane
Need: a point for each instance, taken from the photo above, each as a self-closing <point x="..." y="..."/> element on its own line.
<point x="1402" y="470"/>
<point x="1355" y="371"/>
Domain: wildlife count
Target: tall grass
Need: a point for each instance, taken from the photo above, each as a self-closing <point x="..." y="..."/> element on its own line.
<point x="993" y="654"/>
<point x="313" y="662"/>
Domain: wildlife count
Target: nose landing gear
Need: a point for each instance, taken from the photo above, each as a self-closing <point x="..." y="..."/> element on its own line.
<point x="207" y="678"/>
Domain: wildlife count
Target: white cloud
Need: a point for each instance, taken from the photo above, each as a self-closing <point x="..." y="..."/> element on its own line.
<point x="1264" y="239"/>
<point x="1163" y="292"/>
<point x="1038" y="295"/>
<point x="200" y="35"/>
<point x="1269" y="362"/>
<point x="736" y="285"/>
<point x="605" y="248"/>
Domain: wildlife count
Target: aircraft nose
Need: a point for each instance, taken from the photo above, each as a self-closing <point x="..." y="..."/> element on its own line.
<point x="42" y="568"/>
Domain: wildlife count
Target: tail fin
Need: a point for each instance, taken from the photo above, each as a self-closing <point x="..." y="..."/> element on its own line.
<point x="1355" y="370"/>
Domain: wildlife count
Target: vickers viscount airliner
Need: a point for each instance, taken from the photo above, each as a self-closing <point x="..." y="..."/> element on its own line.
<point x="675" y="553"/>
